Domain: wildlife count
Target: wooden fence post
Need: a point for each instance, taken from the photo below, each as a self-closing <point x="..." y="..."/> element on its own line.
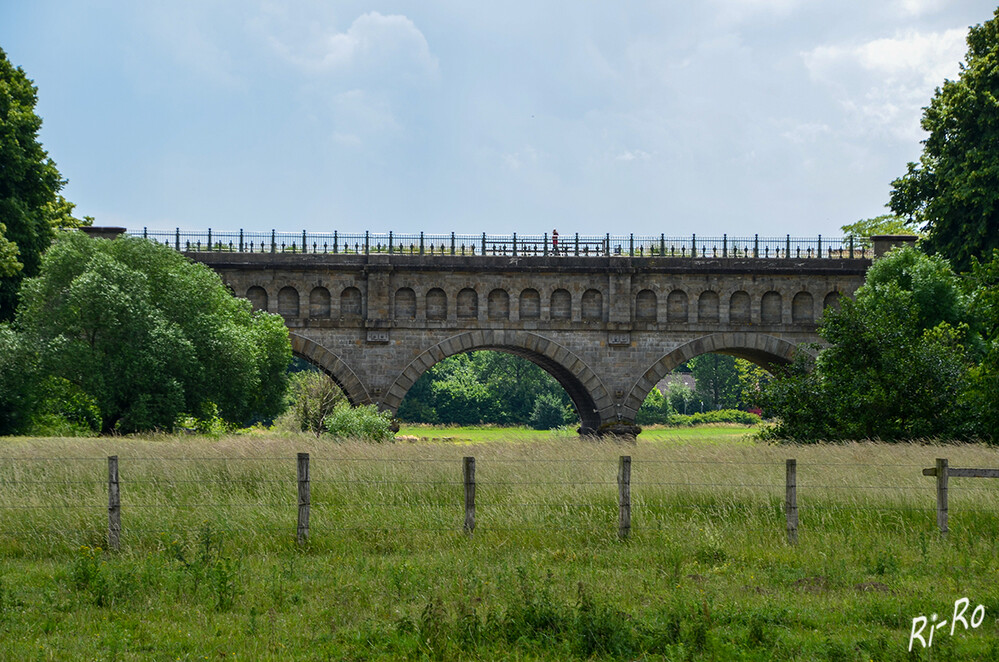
<point x="791" y="502"/>
<point x="304" y="498"/>
<point x="942" y="495"/>
<point x="624" y="496"/>
<point x="469" y="472"/>
<point x="114" y="505"/>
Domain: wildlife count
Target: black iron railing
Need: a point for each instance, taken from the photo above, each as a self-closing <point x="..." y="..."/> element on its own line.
<point x="630" y="245"/>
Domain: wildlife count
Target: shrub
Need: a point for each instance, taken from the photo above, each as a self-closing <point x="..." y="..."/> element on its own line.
<point x="363" y="422"/>
<point x="657" y="408"/>
<point x="548" y="412"/>
<point x="207" y="421"/>
<point x="63" y="409"/>
<point x="716" y="416"/>
<point x="313" y="398"/>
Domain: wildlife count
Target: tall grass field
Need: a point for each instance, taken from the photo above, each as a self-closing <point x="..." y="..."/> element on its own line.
<point x="209" y="567"/>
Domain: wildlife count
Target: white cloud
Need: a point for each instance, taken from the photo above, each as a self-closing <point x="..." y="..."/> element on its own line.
<point x="920" y="7"/>
<point x="374" y="45"/>
<point x="884" y="83"/>
<point x="633" y="155"/>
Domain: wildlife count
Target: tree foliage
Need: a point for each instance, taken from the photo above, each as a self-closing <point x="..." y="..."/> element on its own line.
<point x="982" y="285"/>
<point x="30" y="204"/>
<point x="548" y="413"/>
<point x="898" y="363"/>
<point x="361" y="422"/>
<point x="954" y="189"/>
<point x="148" y="335"/>
<point x="313" y="396"/>
<point x="884" y="224"/>
<point x="716" y="380"/>
<point x="483" y="386"/>
<point x="656" y="409"/>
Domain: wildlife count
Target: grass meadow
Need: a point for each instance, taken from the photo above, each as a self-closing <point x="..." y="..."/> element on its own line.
<point x="209" y="568"/>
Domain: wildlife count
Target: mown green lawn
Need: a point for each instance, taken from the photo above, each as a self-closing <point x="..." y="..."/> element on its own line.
<point x="209" y="567"/>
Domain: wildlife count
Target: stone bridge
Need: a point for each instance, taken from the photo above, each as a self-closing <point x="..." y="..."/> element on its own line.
<point x="608" y="328"/>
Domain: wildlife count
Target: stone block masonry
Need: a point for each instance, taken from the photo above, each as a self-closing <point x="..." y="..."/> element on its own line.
<point x="607" y="328"/>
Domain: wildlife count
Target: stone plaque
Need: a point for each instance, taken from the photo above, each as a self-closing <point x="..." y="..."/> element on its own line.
<point x="378" y="336"/>
<point x="619" y="339"/>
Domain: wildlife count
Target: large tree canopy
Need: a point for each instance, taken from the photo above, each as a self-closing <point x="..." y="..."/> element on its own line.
<point x="954" y="189"/>
<point x="898" y="363"/>
<point x="29" y="182"/>
<point x="30" y="204"/>
<point x="145" y="334"/>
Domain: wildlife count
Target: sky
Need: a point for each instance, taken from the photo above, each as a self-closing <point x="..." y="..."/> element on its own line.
<point x="714" y="116"/>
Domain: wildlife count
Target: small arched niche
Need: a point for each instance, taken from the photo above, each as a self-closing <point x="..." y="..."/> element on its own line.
<point x="646" y="306"/>
<point x="288" y="301"/>
<point x="257" y="297"/>
<point x="319" y="303"/>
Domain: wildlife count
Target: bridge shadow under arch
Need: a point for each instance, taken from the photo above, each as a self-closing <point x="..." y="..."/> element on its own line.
<point x="332" y="365"/>
<point x="588" y="394"/>
<point x="767" y="351"/>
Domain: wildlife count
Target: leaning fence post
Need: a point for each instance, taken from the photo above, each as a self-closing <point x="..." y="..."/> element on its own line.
<point x="469" y="472"/>
<point x="942" y="495"/>
<point x="304" y="498"/>
<point x="624" y="496"/>
<point x="791" y="502"/>
<point x="114" y="505"/>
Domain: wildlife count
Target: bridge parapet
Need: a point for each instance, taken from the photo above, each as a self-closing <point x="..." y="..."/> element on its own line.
<point x="527" y="246"/>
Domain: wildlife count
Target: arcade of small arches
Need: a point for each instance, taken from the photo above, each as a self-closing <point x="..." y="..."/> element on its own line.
<point x="650" y="305"/>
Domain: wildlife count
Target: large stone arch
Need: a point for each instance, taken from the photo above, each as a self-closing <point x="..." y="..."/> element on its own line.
<point x="760" y="348"/>
<point x="592" y="401"/>
<point x="332" y="365"/>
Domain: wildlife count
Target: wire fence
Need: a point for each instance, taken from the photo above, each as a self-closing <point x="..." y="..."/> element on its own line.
<point x="543" y="245"/>
<point x="64" y="496"/>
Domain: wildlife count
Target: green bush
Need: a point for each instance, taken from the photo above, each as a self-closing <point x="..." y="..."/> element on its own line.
<point x="548" y="412"/>
<point x="207" y="421"/>
<point x="716" y="416"/>
<point x="63" y="409"/>
<point x="657" y="408"/>
<point x="312" y="398"/>
<point x="363" y="422"/>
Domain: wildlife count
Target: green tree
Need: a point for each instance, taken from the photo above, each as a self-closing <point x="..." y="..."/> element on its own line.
<point x="717" y="380"/>
<point x="751" y="379"/>
<point x="897" y="366"/>
<point x="953" y="192"/>
<point x="29" y="186"/>
<point x="681" y="397"/>
<point x="9" y="264"/>
<point x="461" y="396"/>
<point x="17" y="366"/>
<point x="982" y="285"/>
<point x="656" y="409"/>
<point x="481" y="386"/>
<point x="548" y="412"/>
<point x="148" y="335"/>
<point x="313" y="397"/>
<point x="865" y="228"/>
